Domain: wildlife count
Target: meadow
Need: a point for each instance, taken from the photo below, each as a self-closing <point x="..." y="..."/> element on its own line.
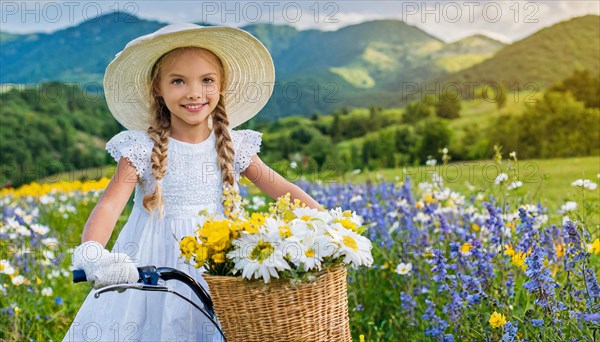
<point x="469" y="257"/>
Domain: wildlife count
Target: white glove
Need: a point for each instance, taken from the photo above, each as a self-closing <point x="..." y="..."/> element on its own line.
<point x="103" y="267"/>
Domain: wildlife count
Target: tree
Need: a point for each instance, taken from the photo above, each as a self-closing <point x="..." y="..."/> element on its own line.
<point x="583" y="86"/>
<point x="416" y="111"/>
<point x="434" y="135"/>
<point x="448" y="107"/>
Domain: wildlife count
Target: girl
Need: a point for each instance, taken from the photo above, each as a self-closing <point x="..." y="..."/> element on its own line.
<point x="179" y="91"/>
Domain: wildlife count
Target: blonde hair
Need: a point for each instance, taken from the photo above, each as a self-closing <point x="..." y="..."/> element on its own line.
<point x="160" y="130"/>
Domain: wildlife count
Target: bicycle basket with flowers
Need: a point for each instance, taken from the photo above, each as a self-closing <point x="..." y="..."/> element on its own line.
<point x="299" y="253"/>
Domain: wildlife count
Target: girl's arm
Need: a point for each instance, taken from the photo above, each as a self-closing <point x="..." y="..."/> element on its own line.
<point x="103" y="218"/>
<point x="275" y="185"/>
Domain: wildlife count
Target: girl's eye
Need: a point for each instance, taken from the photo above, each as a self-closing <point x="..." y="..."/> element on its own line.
<point x="209" y="79"/>
<point x="177" y="81"/>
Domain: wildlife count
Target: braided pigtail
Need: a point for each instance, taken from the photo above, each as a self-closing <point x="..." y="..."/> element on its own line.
<point x="159" y="132"/>
<point x="224" y="147"/>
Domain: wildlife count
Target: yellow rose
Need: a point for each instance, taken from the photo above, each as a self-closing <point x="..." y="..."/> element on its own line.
<point x="497" y="320"/>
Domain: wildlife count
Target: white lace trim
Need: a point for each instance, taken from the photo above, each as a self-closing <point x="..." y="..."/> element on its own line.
<point x="136" y="146"/>
<point x="246" y="144"/>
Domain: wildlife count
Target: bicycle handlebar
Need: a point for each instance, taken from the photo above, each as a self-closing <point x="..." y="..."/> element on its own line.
<point x="149" y="275"/>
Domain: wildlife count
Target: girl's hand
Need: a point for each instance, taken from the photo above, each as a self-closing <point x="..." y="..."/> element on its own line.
<point x="102" y="267"/>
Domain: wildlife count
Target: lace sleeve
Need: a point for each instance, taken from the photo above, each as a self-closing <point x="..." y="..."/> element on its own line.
<point x="247" y="144"/>
<point x="136" y="146"/>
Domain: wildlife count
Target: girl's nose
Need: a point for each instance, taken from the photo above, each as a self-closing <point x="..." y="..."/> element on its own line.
<point x="195" y="91"/>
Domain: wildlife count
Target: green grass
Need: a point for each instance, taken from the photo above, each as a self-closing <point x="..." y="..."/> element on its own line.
<point x="546" y="179"/>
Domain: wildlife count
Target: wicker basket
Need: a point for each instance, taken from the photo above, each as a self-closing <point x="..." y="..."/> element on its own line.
<point x="254" y="311"/>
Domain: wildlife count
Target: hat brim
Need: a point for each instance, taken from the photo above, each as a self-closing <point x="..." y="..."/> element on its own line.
<point x="249" y="73"/>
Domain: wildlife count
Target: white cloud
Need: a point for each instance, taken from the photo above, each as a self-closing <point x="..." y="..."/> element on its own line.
<point x="518" y="19"/>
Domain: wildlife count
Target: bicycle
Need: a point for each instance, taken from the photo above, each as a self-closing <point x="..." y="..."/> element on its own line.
<point x="148" y="281"/>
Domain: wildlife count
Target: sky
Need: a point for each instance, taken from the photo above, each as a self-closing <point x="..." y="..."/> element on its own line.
<point x="507" y="21"/>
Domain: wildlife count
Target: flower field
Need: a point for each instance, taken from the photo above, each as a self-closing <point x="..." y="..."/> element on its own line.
<point x="487" y="264"/>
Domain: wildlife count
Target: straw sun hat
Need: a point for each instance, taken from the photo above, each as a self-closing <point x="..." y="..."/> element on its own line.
<point x="249" y="71"/>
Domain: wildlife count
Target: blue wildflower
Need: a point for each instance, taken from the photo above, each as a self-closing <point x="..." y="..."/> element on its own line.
<point x="439" y="270"/>
<point x="407" y="303"/>
<point x="537" y="322"/>
<point x="510" y="286"/>
<point x="437" y="326"/>
<point x="359" y="307"/>
<point x="592" y="283"/>
<point x="454" y="306"/>
<point x="473" y="299"/>
<point x="510" y="332"/>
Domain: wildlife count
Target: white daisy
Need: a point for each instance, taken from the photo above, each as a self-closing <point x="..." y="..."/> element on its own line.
<point x="309" y="252"/>
<point x="39" y="229"/>
<point x="347" y="217"/>
<point x="6" y="268"/>
<point x="501" y="178"/>
<point x="403" y="268"/>
<point x="515" y="185"/>
<point x="568" y="206"/>
<point x="18" y="280"/>
<point x="308" y="214"/>
<point x="47" y="291"/>
<point x="355" y="248"/>
<point x="255" y="256"/>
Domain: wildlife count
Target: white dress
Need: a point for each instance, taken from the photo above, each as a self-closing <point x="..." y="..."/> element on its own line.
<point x="192" y="183"/>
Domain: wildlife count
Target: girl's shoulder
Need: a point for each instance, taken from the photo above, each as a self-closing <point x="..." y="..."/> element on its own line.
<point x="137" y="137"/>
<point x="135" y="145"/>
<point x="245" y="136"/>
<point x="246" y="143"/>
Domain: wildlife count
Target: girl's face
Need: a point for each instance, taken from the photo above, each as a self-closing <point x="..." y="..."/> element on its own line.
<point x="189" y="83"/>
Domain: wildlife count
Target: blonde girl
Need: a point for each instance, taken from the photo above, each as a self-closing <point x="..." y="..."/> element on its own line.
<point x="179" y="91"/>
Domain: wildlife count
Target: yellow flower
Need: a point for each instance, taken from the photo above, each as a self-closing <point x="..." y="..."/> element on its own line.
<point x="465" y="249"/>
<point x="215" y="234"/>
<point x="361" y="338"/>
<point x="560" y="249"/>
<point x="595" y="247"/>
<point x="428" y="198"/>
<point x="219" y="258"/>
<point x="258" y="218"/>
<point x="285" y="231"/>
<point x="497" y="320"/>
<point x="475" y="227"/>
<point x="38" y="280"/>
<point x="519" y="260"/>
<point x="509" y="250"/>
<point x="187" y="245"/>
<point x="201" y="255"/>
<point x="511" y="225"/>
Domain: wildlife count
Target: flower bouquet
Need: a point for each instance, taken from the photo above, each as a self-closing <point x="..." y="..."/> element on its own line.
<point x="281" y="274"/>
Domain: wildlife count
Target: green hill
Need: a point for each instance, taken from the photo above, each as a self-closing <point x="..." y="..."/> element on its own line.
<point x="467" y="52"/>
<point x="49" y="128"/>
<point x="317" y="71"/>
<point x="544" y="57"/>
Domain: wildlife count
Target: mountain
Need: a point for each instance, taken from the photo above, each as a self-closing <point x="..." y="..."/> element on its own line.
<point x="5" y="37"/>
<point x="544" y="57"/>
<point x="367" y="64"/>
<point x="466" y="52"/>
<point x="315" y="70"/>
<point x="76" y="54"/>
